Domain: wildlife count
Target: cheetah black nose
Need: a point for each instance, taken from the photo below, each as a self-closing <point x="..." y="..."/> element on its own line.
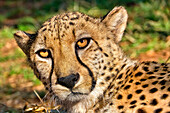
<point x="68" y="81"/>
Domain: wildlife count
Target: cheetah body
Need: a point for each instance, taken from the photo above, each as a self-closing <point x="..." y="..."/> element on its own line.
<point x="97" y="77"/>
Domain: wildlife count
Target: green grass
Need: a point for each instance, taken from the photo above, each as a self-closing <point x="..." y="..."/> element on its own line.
<point x="17" y="70"/>
<point x="29" y="75"/>
<point x="148" y="24"/>
<point x="28" y="24"/>
<point x="13" y="56"/>
<point x="7" y="32"/>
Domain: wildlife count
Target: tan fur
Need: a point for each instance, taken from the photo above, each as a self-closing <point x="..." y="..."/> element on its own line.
<point x="109" y="81"/>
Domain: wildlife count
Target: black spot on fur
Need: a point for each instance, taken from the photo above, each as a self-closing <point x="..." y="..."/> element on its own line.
<point x="108" y="38"/>
<point x="155" y="82"/>
<point x="141" y="111"/>
<point x="154" y="102"/>
<point x="164" y="96"/>
<point x="151" y="77"/>
<point x="123" y="66"/>
<point x="154" y="62"/>
<point x="129" y="96"/>
<point x="120" y="82"/>
<point x="133" y="102"/>
<point x="71" y="23"/>
<point x="158" y="110"/>
<point x="162" y="73"/>
<point x="117" y="70"/>
<point x="146" y="69"/>
<point x="111" y="103"/>
<point x="44" y="29"/>
<point x="96" y="110"/>
<point x="45" y="83"/>
<point x="143" y="103"/>
<point x="169" y="89"/>
<point x="111" y="68"/>
<point x="122" y="85"/>
<point x="153" y="90"/>
<point x="143" y="79"/>
<point x="149" y="73"/>
<point x="87" y="18"/>
<point x="160" y="77"/>
<point x="127" y="87"/>
<point x="127" y="71"/>
<point x="119" y="96"/>
<point x="135" y="68"/>
<point x="126" y="76"/>
<point x="131" y="81"/>
<point x="120" y="76"/>
<point x="145" y="85"/>
<point x="110" y="93"/>
<point x="120" y="107"/>
<point x="162" y="82"/>
<point x="138" y="74"/>
<point x="138" y="91"/>
<point x="74" y="18"/>
<point x="106" y="54"/>
<point x="102" y="74"/>
<point x="104" y="68"/>
<point x="102" y="83"/>
<point x="142" y="97"/>
<point x="163" y="87"/>
<point x="156" y="70"/>
<point x="147" y="63"/>
<point x="108" y="78"/>
<point x="132" y="106"/>
<point x="156" y="67"/>
<point x="105" y="110"/>
<point x="137" y="83"/>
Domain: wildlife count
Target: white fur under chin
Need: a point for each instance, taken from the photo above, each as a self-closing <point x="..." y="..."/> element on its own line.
<point x="86" y="103"/>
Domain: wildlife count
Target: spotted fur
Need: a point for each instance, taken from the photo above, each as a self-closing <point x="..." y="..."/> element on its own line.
<point x="98" y="78"/>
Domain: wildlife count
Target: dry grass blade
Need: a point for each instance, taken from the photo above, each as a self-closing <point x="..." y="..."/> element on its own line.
<point x="39" y="97"/>
<point x="43" y="107"/>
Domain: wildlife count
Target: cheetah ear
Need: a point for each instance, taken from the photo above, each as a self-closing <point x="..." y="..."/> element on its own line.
<point x="116" y="21"/>
<point x="24" y="40"/>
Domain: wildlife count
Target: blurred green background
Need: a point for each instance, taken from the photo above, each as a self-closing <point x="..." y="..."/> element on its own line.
<point x="147" y="37"/>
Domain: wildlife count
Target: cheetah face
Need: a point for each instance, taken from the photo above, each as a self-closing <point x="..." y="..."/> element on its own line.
<point x="69" y="51"/>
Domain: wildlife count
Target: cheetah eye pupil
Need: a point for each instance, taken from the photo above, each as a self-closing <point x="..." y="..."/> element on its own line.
<point x="44" y="53"/>
<point x="82" y="43"/>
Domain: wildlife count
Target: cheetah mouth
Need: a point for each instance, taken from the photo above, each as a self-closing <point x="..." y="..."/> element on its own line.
<point x="75" y="97"/>
<point x="72" y="97"/>
<point x="68" y="96"/>
<point x="78" y="93"/>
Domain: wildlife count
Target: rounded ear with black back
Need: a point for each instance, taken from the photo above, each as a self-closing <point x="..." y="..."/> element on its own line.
<point x="24" y="40"/>
<point x="116" y="21"/>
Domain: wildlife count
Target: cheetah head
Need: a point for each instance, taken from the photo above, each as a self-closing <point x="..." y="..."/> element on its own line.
<point x="70" y="51"/>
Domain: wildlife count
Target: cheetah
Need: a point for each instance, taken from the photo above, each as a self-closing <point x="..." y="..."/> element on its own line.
<point x="78" y="59"/>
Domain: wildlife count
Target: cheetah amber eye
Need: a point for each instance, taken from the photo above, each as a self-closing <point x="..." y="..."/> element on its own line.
<point x="44" y="53"/>
<point x="82" y="43"/>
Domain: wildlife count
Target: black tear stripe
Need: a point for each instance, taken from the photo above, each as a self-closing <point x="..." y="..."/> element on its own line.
<point x="51" y="72"/>
<point x="90" y="72"/>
